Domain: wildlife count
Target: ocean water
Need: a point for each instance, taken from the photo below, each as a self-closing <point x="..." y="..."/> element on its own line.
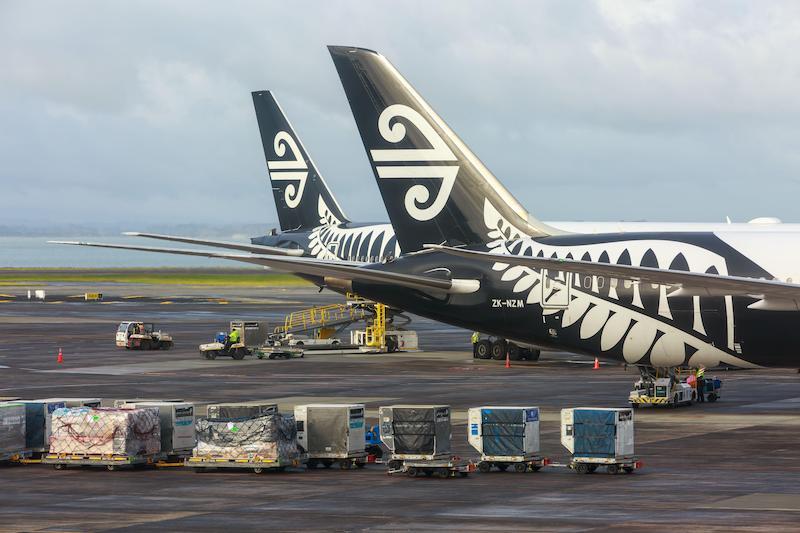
<point x="30" y="252"/>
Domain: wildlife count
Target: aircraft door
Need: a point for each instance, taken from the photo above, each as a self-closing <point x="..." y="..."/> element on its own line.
<point x="555" y="289"/>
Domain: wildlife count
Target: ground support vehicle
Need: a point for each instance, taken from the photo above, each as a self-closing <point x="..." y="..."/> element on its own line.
<point x="257" y="464"/>
<point x="712" y="388"/>
<point x="142" y="336"/>
<point x="444" y="468"/>
<point x="61" y="461"/>
<point x="661" y="387"/>
<point x="252" y="335"/>
<point x="517" y="463"/>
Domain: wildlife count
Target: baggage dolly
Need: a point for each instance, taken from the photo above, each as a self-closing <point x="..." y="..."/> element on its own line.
<point x="444" y="468"/>
<point x="348" y="462"/>
<point x="588" y="465"/>
<point x="257" y="464"/>
<point x="111" y="462"/>
<point x="517" y="463"/>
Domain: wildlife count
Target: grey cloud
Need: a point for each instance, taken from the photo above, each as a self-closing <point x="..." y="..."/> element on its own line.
<point x="661" y="110"/>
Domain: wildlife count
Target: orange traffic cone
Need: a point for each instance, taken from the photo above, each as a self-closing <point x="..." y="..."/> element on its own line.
<point x="508" y="361"/>
<point x="596" y="364"/>
<point x="60" y="358"/>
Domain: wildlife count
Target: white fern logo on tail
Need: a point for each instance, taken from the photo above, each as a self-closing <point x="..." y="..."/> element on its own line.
<point x="417" y="195"/>
<point x="294" y="169"/>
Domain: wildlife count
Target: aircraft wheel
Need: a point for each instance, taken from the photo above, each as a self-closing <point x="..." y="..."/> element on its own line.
<point x="499" y="350"/>
<point x="514" y="352"/>
<point x="535" y="354"/>
<point x="484" y="349"/>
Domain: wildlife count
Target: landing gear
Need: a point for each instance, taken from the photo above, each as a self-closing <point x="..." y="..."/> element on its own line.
<point x="483" y="349"/>
<point x="499" y="350"/>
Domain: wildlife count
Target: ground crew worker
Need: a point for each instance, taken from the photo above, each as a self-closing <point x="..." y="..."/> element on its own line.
<point x="233" y="338"/>
<point x="476" y="337"/>
<point x="701" y="385"/>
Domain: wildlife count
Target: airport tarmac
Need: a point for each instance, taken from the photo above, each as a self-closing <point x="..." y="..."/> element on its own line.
<point x="734" y="464"/>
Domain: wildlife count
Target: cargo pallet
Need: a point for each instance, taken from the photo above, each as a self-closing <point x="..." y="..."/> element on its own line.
<point x="257" y="464"/>
<point x="613" y="465"/>
<point x="450" y="467"/>
<point x="345" y="463"/>
<point x="518" y="463"/>
<point x="61" y="461"/>
<point x="279" y="352"/>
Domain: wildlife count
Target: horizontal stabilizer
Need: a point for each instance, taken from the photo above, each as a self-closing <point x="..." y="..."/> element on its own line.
<point x="688" y="283"/>
<point x="253" y="248"/>
<point x="308" y="266"/>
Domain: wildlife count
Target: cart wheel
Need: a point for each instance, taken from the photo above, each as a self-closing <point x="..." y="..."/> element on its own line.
<point x="59" y="467"/>
<point x="536" y="468"/>
<point x="258" y="470"/>
<point x="344" y="465"/>
<point x="412" y="471"/>
<point x="443" y="473"/>
<point x="312" y="464"/>
<point x="360" y="465"/>
<point x="394" y="465"/>
<point x="521" y="467"/>
<point x="628" y="469"/>
<point x="111" y="468"/>
<point x="582" y="468"/>
<point x="211" y="354"/>
<point x="612" y="469"/>
<point x="712" y="397"/>
<point x="484" y="467"/>
<point x="592" y="468"/>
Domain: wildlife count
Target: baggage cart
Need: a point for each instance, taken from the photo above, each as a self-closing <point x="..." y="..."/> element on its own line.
<point x="443" y="468"/>
<point x="60" y="461"/>
<point x="257" y="464"/>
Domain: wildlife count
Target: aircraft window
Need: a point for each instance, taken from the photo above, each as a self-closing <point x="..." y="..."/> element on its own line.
<point x="587" y="282"/>
<point x="601" y="282"/>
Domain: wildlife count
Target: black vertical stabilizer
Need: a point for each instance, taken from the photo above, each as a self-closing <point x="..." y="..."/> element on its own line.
<point x="435" y="189"/>
<point x="296" y="184"/>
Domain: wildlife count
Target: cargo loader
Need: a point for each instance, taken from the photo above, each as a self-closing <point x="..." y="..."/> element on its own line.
<point x="332" y="434"/>
<point x="506" y="437"/>
<point x="418" y="437"/>
<point x="599" y="437"/>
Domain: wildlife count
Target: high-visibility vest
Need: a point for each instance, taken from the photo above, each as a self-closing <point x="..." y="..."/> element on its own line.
<point x="701" y="372"/>
<point x="234" y="336"/>
<point x="476" y="337"/>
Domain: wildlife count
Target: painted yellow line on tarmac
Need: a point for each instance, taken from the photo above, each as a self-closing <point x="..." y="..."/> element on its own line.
<point x="165" y="302"/>
<point x="7" y="296"/>
<point x="222" y="302"/>
<point x="6" y="301"/>
<point x="131" y="297"/>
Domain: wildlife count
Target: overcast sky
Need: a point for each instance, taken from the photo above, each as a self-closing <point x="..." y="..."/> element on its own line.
<point x="118" y="112"/>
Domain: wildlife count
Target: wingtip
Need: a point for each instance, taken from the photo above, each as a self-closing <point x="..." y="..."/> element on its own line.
<point x="132" y="233"/>
<point x="341" y="50"/>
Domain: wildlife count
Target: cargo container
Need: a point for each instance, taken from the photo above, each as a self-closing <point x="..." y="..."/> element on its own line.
<point x="76" y="402"/>
<point x="38" y="423"/>
<point x="416" y="431"/>
<point x="104" y="437"/>
<point x="597" y="436"/>
<point x="242" y="410"/>
<point x="267" y="442"/>
<point x="331" y="433"/>
<point x="177" y="421"/>
<point x="505" y="437"/>
<point x="122" y="401"/>
<point x="12" y="431"/>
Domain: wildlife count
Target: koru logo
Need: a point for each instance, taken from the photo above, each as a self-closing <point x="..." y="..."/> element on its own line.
<point x="293" y="169"/>
<point x="417" y="195"/>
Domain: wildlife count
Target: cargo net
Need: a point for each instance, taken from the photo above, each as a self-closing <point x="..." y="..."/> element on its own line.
<point x="105" y="431"/>
<point x="270" y="437"/>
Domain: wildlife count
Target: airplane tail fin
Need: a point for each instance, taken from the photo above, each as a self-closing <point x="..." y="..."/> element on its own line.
<point x="302" y="198"/>
<point x="435" y="189"/>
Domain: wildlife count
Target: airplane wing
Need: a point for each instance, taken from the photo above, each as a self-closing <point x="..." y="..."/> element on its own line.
<point x="253" y="248"/>
<point x="772" y="294"/>
<point x="309" y="266"/>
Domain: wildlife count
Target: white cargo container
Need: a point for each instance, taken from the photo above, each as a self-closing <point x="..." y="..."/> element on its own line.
<point x="505" y="436"/>
<point x="38" y="423"/>
<point x="599" y="436"/>
<point x="331" y="432"/>
<point x="177" y="425"/>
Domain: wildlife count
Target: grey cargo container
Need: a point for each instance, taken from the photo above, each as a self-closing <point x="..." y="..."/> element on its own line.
<point x="12" y="429"/>
<point x="332" y="431"/>
<point x="242" y="410"/>
<point x="77" y="402"/>
<point x="416" y="431"/>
